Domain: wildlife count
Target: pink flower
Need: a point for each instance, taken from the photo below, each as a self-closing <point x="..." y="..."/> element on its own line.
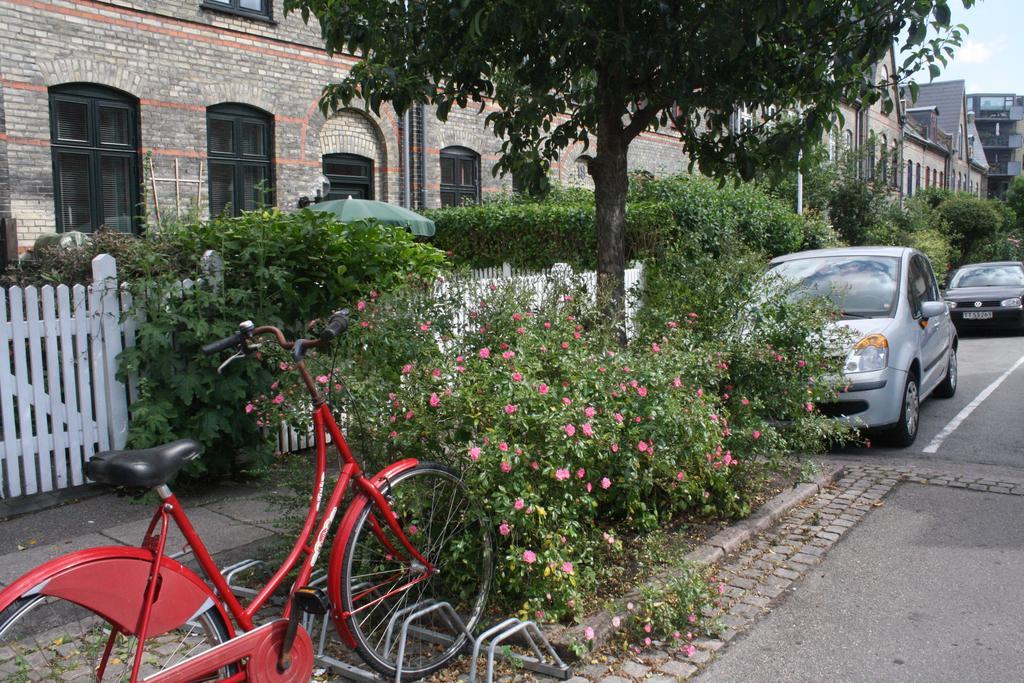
<point x="615" y="448"/>
<point x="647" y="641"/>
<point x="485" y="352"/>
<point x="547" y="325"/>
<point x="587" y="429"/>
<point x="680" y="475"/>
<point x="809" y="407"/>
<point x="606" y="483"/>
<point x="616" y="621"/>
<point x="580" y="473"/>
<point x="436" y="372"/>
<point x="279" y="399"/>
<point x="517" y="377"/>
<point x="529" y="557"/>
<point x="689" y="650"/>
<point x="642" y="446"/>
<point x="655" y="348"/>
<point x="505" y="467"/>
<point x="424" y="327"/>
<point x="565" y="345"/>
<point x="567" y="567"/>
<point x="744" y="401"/>
<point x="435" y="401"/>
<point x="590" y="487"/>
<point x="562" y="474"/>
<point x="504" y="529"/>
<point x="511" y="408"/>
<point x="570" y="429"/>
<point x="618" y="418"/>
<point x="322" y="379"/>
<point x="543" y="389"/>
<point x="517" y="316"/>
<point x="590" y="411"/>
<point x="249" y="408"/>
<point x="677" y="382"/>
<point x="757" y="435"/>
<point x="474" y="453"/>
<point x="503" y="447"/>
<point x="677" y="635"/>
<point x="406" y="369"/>
<point x="409" y="415"/>
<point x="519" y="504"/>
<point x="727" y="459"/>
<point x="566" y="400"/>
<point x="629" y="606"/>
<point x="360" y="305"/>
<point x="692" y="618"/>
<point x="520" y="330"/>
<point x="642" y="391"/>
<point x="588" y="633"/>
<point x="801" y="363"/>
<point x="508" y="355"/>
<point x="700" y="392"/>
<point x="647" y="628"/>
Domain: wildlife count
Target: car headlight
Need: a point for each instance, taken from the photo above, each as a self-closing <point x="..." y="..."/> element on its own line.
<point x="951" y="304"/>
<point x="1013" y="302"/>
<point x="870" y="353"/>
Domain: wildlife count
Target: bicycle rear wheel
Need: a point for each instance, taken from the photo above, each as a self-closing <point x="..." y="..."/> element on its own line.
<point x="381" y="588"/>
<point x="44" y="638"/>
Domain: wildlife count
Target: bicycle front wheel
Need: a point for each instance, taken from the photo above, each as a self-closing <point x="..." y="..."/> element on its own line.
<point x="44" y="638"/>
<point x="382" y="589"/>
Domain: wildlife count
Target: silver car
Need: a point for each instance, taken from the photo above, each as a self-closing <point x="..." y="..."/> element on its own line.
<point x="904" y="341"/>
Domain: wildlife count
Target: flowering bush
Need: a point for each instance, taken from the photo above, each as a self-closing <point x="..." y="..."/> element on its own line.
<point x="569" y="442"/>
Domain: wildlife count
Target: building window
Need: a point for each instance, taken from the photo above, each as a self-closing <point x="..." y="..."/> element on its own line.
<point x="917" y="179"/>
<point x="239" y="141"/>
<point x="883" y="148"/>
<point x="927" y="176"/>
<point x="95" y="147"/>
<point x="350" y="175"/>
<point x="257" y="9"/>
<point x="910" y="178"/>
<point x="460" y="176"/>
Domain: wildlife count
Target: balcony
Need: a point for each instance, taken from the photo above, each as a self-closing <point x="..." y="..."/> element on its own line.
<point x="1006" y="141"/>
<point x="1010" y="168"/>
<point x="1013" y="113"/>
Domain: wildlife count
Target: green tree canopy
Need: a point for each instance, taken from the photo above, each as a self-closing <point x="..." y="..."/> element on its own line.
<point x="600" y="72"/>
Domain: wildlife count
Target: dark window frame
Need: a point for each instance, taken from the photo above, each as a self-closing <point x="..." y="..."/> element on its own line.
<point x="95" y="97"/>
<point x="364" y="181"/>
<point x="456" y="193"/>
<point x="235" y="8"/>
<point x="237" y="114"/>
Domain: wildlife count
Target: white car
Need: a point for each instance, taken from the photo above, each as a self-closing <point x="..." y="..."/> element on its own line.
<point x="905" y="343"/>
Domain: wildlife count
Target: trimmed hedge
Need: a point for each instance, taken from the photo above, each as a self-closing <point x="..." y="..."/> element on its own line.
<point x="688" y="212"/>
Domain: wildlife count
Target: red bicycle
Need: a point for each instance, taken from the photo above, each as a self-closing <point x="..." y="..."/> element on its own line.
<point x="411" y="537"/>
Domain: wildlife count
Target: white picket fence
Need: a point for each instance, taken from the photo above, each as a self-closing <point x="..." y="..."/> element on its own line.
<point x="60" y="399"/>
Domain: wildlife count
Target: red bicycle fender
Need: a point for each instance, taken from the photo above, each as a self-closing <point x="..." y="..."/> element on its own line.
<point x="111" y="581"/>
<point x="360" y="501"/>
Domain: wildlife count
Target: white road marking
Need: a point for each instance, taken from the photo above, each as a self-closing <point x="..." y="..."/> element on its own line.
<point x="968" y="409"/>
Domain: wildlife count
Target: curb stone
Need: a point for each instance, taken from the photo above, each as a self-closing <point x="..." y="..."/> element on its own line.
<point x="711" y="552"/>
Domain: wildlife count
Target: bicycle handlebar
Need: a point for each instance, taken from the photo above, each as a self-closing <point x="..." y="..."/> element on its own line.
<point x="337" y="324"/>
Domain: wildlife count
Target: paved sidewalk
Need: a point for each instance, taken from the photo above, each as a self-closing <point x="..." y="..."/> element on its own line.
<point x="760" y="574"/>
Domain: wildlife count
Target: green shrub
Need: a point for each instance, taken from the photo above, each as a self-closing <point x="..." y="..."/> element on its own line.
<point x="568" y="445"/>
<point x="280" y="269"/>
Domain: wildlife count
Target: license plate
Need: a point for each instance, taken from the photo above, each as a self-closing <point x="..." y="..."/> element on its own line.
<point x="977" y="315"/>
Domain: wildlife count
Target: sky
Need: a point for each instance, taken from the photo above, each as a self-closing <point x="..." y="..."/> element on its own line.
<point x="991" y="59"/>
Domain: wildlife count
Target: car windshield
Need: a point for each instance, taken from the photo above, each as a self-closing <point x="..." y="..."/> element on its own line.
<point x="860" y="286"/>
<point x="988" y="276"/>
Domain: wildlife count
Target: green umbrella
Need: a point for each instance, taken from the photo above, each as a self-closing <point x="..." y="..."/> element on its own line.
<point x="349" y="210"/>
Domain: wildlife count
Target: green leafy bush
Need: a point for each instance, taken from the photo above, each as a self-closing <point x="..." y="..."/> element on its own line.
<point x="280" y="269"/>
<point x="568" y="442"/>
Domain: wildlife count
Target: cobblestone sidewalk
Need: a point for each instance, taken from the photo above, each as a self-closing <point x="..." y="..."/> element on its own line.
<point x="760" y="573"/>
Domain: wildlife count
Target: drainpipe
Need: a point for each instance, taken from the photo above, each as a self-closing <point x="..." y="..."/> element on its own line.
<point x="407" y="165"/>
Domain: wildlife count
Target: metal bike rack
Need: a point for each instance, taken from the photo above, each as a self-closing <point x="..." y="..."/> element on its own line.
<point x="544" y="660"/>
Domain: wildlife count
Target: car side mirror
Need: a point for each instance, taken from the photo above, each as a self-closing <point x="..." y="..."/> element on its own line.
<point x="930" y="309"/>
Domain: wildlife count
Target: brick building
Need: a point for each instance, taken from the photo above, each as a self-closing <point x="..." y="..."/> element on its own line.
<point x="213" y="104"/>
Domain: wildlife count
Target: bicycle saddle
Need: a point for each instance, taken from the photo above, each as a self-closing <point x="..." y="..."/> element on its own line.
<point x="147" y="467"/>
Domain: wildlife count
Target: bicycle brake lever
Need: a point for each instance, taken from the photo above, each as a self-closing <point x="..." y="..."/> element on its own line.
<point x="237" y="355"/>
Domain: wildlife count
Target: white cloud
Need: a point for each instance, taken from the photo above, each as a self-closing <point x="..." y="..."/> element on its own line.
<point x="972" y="52"/>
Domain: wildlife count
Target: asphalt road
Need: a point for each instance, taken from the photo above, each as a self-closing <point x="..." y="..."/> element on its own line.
<point x="992" y="436"/>
<point x="928" y="587"/>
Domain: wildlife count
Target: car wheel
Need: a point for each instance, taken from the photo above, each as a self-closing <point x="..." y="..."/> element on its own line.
<point x="947" y="387"/>
<point x="905" y="431"/>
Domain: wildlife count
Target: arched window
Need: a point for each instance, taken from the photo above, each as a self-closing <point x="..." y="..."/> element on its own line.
<point x="832" y="145"/>
<point x="910" y="178"/>
<point x="848" y="139"/>
<point x="94" y="135"/>
<point x="883" y="152"/>
<point x="350" y="174"/>
<point x="927" y="176"/>
<point x="917" y="178"/>
<point x="239" y="146"/>
<point x="460" y="176"/>
<point x="895" y="163"/>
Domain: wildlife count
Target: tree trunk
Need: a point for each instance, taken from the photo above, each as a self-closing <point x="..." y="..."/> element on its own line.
<point x="611" y="184"/>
